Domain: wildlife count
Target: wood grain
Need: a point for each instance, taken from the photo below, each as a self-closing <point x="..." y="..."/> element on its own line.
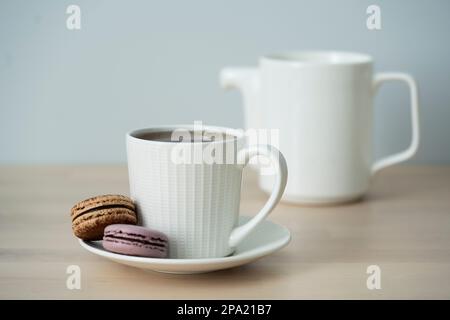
<point x="403" y="225"/>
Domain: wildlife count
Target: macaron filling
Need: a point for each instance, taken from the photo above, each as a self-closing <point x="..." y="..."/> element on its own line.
<point x="141" y="241"/>
<point x="104" y="207"/>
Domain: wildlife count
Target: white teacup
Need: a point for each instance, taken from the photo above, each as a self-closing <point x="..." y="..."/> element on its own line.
<point x="195" y="200"/>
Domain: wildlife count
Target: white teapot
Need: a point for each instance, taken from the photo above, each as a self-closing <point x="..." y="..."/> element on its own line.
<point x="321" y="103"/>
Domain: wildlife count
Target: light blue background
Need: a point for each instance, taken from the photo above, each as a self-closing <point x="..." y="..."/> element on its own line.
<point x="70" y="96"/>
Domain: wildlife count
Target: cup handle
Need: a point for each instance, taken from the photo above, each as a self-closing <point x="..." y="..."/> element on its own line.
<point x="239" y="233"/>
<point x="414" y="96"/>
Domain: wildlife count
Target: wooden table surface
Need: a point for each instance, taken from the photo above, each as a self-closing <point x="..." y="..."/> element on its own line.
<point x="403" y="226"/>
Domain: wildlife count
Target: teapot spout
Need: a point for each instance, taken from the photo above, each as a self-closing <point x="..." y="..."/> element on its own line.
<point x="246" y="80"/>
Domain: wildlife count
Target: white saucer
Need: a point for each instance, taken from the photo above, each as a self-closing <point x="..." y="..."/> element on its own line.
<point x="267" y="238"/>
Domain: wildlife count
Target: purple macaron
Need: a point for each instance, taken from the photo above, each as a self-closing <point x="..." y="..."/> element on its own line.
<point x="135" y="241"/>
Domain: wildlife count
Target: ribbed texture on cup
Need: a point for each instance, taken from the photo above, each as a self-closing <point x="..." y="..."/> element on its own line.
<point x="195" y="205"/>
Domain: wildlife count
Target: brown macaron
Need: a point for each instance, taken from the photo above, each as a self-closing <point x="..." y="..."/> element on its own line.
<point x="91" y="216"/>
